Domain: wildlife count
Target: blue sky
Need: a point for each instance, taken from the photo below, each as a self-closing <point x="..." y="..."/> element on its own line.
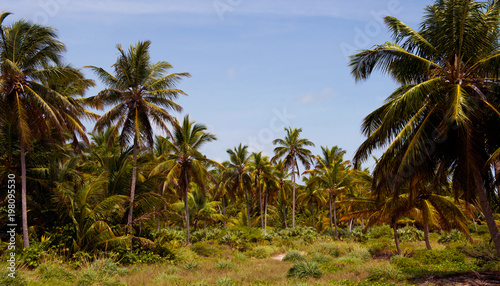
<point x="257" y="66"/>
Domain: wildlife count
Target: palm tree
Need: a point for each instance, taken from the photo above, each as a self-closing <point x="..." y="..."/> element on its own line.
<point x="239" y="174"/>
<point x="311" y="195"/>
<point x="141" y="93"/>
<point x="333" y="174"/>
<point x="26" y="52"/>
<point x="445" y="113"/>
<point x="292" y="148"/>
<point x="261" y="167"/>
<point x="186" y="163"/>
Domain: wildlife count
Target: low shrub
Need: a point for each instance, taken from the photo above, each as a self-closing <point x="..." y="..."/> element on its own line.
<point x="203" y="249"/>
<point x="327" y="249"/>
<point x="184" y="254"/>
<point x="52" y="270"/>
<point x="321" y="258"/>
<point x="261" y="252"/>
<point x="404" y="262"/>
<point x="378" y="247"/>
<point x="410" y="234"/>
<point x="101" y="271"/>
<point x="452" y="236"/>
<point x="434" y="257"/>
<point x="294" y="256"/>
<point x="305" y="270"/>
<point x="191" y="265"/>
<point x="225" y="281"/>
<point x="382" y="231"/>
<point x="385" y="274"/>
<point x="224" y="265"/>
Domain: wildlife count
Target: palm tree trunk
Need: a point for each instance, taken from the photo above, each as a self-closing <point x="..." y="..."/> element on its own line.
<point x="335" y="217"/>
<point x="330" y="210"/>
<point x="293" y="194"/>
<point x="312" y="210"/>
<point x="224" y="210"/>
<point x="396" y="239"/>
<point x="426" y="230"/>
<point x="248" y="210"/>
<point x="260" y="202"/>
<point x="132" y="187"/>
<point x="265" y="209"/>
<point x="24" y="209"/>
<point x="488" y="214"/>
<point x="186" y="205"/>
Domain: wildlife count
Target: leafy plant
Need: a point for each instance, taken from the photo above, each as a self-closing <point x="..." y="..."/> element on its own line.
<point x="385" y="274"/>
<point x="294" y="256"/>
<point x="304" y="270"/>
<point x="224" y="265"/>
<point x="191" y="265"/>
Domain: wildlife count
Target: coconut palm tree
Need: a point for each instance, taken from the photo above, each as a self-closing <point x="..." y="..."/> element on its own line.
<point x="141" y="94"/>
<point x="333" y="174"/>
<point x="444" y="115"/>
<point x="311" y="195"/>
<point x="292" y="148"/>
<point x="238" y="173"/>
<point x="261" y="168"/>
<point x="29" y="54"/>
<point x="186" y="163"/>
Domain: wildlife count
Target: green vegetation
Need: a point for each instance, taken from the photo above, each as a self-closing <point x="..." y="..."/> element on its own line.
<point x="121" y="206"/>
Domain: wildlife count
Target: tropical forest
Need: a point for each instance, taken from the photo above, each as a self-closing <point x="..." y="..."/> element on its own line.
<point x="133" y="199"/>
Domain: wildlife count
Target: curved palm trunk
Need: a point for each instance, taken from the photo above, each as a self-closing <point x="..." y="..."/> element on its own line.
<point x="335" y="217"/>
<point x="396" y="239"/>
<point x="132" y="187"/>
<point x="312" y="210"/>
<point x="24" y="209"/>
<point x="330" y="210"/>
<point x="260" y="202"/>
<point x="186" y="205"/>
<point x="265" y="209"/>
<point x="293" y="194"/>
<point x="426" y="230"/>
<point x="488" y="214"/>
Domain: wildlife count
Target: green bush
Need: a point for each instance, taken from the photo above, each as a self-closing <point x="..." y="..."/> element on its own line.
<point x="184" y="254"/>
<point x="452" y="236"/>
<point x="410" y="234"/>
<point x="262" y="251"/>
<point x="294" y="256"/>
<point x="321" y="258"/>
<point x="382" y="231"/>
<point x="205" y="234"/>
<point x="203" y="249"/>
<point x="404" y="262"/>
<point x="327" y="248"/>
<point x="101" y="271"/>
<point x="434" y="257"/>
<point x="33" y="255"/>
<point x="225" y="281"/>
<point x="356" y="256"/>
<point x="385" y="274"/>
<point x="191" y="265"/>
<point x="52" y="270"/>
<point x="5" y="279"/>
<point x="224" y="265"/>
<point x="305" y="270"/>
<point x="378" y="247"/>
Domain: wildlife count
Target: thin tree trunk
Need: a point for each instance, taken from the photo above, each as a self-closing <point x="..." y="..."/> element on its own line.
<point x="335" y="218"/>
<point x="314" y="222"/>
<point x="248" y="209"/>
<point x="265" y="209"/>
<point x="224" y="209"/>
<point x="260" y="202"/>
<point x="488" y="214"/>
<point x="330" y="210"/>
<point x="132" y="193"/>
<point x="186" y="205"/>
<point x="293" y="194"/>
<point x="396" y="239"/>
<point x="24" y="209"/>
<point x="426" y="230"/>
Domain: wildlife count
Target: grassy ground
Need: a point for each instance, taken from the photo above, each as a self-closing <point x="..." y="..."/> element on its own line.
<point x="316" y="261"/>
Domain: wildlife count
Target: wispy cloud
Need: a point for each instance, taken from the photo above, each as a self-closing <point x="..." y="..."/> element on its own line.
<point x="311" y="97"/>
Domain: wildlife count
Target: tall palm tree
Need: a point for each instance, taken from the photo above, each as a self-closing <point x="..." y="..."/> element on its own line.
<point x="260" y="167"/>
<point x="444" y="115"/>
<point x="311" y="195"/>
<point x="334" y="175"/>
<point x="141" y="94"/>
<point x="292" y="148"/>
<point x="186" y="163"/>
<point x="27" y="53"/>
<point x="238" y="168"/>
